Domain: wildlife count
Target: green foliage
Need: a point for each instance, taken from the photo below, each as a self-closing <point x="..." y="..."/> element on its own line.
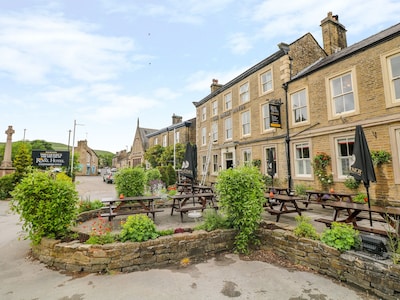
<point x="153" y="154"/>
<point x="41" y="145"/>
<point x="320" y="164"/>
<point x="300" y="189"/>
<point x="393" y="243"/>
<point x="256" y="163"/>
<point x="165" y="232"/>
<point x="380" y="157"/>
<point x="7" y="184"/>
<point x="152" y="174"/>
<point x="341" y="236"/>
<point x="164" y="174"/>
<point x="241" y="198"/>
<point x="87" y="205"/>
<point x="130" y="181"/>
<point x="171" y="175"/>
<point x="360" y="198"/>
<point x="22" y="160"/>
<point x="213" y="220"/>
<point x="138" y="228"/>
<point x="47" y="206"/>
<point x="164" y="156"/>
<point x="304" y="228"/>
<point x="105" y="160"/>
<point x="351" y="183"/>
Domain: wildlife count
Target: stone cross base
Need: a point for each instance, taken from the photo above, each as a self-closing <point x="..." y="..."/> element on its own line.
<point x="6" y="170"/>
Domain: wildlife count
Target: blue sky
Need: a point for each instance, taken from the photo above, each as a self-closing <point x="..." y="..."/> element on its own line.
<point x="106" y="63"/>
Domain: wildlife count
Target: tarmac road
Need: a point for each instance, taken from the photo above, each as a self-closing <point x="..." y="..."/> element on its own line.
<point x="223" y="277"/>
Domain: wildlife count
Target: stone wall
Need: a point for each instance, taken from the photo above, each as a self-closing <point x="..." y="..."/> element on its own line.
<point x="380" y="277"/>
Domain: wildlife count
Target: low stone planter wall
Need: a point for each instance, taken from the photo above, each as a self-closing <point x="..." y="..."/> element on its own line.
<point x="379" y="277"/>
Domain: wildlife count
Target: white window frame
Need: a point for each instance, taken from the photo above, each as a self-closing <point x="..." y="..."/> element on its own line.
<point x="228" y="101"/>
<point x="299" y="103"/>
<point x="204" y="136"/>
<point x="245" y="118"/>
<point x="203" y="164"/>
<point x="164" y="140"/>
<point x="346" y="93"/>
<point x="247" y="156"/>
<point x="156" y="141"/>
<point x="244" y="92"/>
<point x="214" y="106"/>
<point x="266" y="82"/>
<point x="228" y="129"/>
<point x="266" y="122"/>
<point x="177" y="136"/>
<point x="343" y="159"/>
<point x="391" y="82"/>
<point x="303" y="163"/>
<point x="215" y="163"/>
<point x="204" y="113"/>
<point x="214" y="131"/>
<point x="394" y="138"/>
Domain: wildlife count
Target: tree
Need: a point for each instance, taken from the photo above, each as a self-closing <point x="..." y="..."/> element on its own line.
<point x="105" y="160"/>
<point x="41" y="145"/>
<point x="22" y="160"/>
<point x="153" y="155"/>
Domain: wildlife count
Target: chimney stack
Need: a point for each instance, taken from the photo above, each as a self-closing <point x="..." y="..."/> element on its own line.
<point x="333" y="34"/>
<point x="215" y="86"/>
<point x="176" y="119"/>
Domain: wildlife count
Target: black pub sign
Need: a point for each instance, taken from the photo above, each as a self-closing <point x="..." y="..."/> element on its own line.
<point x="275" y="115"/>
<point x="43" y="158"/>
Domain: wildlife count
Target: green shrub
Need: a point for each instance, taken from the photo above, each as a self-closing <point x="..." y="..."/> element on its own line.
<point x="341" y="236"/>
<point x="171" y="175"/>
<point x="7" y="185"/>
<point x="87" y="205"/>
<point x="47" y="206"/>
<point x="304" y="228"/>
<point x="130" y="182"/>
<point x="152" y="174"/>
<point x="380" y="157"/>
<point x="138" y="228"/>
<point x="360" y="198"/>
<point x="166" y="232"/>
<point x="300" y="189"/>
<point x="101" y="232"/>
<point x="213" y="220"/>
<point x="241" y="199"/>
<point x="351" y="183"/>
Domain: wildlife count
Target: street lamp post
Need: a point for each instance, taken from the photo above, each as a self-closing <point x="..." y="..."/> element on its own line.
<point x="73" y="149"/>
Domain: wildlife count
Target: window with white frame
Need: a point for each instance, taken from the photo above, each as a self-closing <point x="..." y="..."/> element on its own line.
<point x="203" y="136"/>
<point x="266" y="81"/>
<point x="302" y="160"/>
<point x="344" y="152"/>
<point x="244" y="94"/>
<point x="299" y="107"/>
<point x="156" y="141"/>
<point x="164" y="143"/>
<point x="228" y="101"/>
<point x="177" y="137"/>
<point x="203" y="164"/>
<point x="204" y="113"/>
<point x="214" y="106"/>
<point x="215" y="163"/>
<point x="214" y="131"/>
<point x="266" y="155"/>
<point x="245" y="123"/>
<point x="342" y="94"/>
<point x="228" y="129"/>
<point x="246" y="154"/>
<point x="394" y="74"/>
<point x="266" y="122"/>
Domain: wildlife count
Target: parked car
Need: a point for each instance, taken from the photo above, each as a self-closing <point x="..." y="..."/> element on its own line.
<point x="108" y="176"/>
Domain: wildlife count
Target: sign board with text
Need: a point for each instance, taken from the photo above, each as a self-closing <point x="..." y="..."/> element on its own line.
<point x="275" y="115"/>
<point x="43" y="158"/>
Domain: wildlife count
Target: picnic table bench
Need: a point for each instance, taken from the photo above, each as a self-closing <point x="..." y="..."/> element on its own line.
<point x="181" y="203"/>
<point x="320" y="196"/>
<point x="130" y="205"/>
<point x="283" y="201"/>
<point x="389" y="214"/>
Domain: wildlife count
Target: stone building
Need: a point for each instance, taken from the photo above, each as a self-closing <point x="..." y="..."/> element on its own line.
<point x="235" y="116"/>
<point x="321" y="95"/>
<point x="88" y="159"/>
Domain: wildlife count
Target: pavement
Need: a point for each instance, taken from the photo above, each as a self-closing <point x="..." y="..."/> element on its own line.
<point x="223" y="277"/>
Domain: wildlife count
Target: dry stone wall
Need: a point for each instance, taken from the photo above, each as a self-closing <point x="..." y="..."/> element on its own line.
<point x="380" y="277"/>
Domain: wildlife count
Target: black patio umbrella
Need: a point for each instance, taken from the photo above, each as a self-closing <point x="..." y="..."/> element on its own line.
<point x="271" y="165"/>
<point x="189" y="164"/>
<point x="363" y="168"/>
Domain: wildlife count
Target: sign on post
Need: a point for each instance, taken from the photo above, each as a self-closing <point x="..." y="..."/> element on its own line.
<point x="275" y="115"/>
<point x="43" y="158"/>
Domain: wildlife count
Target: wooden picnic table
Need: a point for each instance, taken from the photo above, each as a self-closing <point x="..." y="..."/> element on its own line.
<point x="187" y="188"/>
<point x="131" y="205"/>
<point x="389" y="215"/>
<point x="283" y="201"/>
<point x="183" y="203"/>
<point x="321" y="196"/>
<point x="279" y="190"/>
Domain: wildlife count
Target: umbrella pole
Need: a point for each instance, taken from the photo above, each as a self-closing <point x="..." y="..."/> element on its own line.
<point x="369" y="206"/>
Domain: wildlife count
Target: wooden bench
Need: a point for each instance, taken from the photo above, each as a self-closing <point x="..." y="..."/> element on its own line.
<point x="283" y="202"/>
<point x="130" y="206"/>
<point x="184" y="203"/>
<point x="389" y="215"/>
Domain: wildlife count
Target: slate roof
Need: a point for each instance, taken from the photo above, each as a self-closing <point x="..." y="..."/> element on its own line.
<point x="369" y="42"/>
